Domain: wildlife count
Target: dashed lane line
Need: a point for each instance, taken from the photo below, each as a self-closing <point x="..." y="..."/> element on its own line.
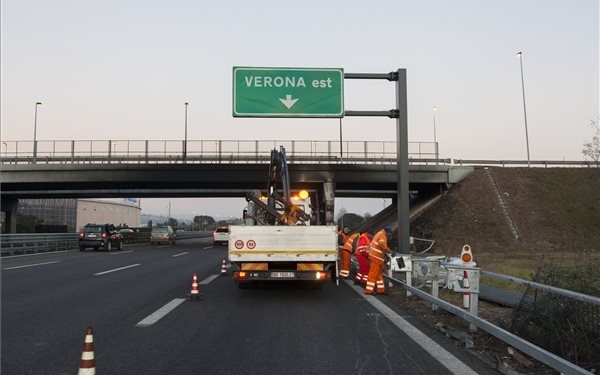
<point x="30" y="265"/>
<point x="117" y="269"/>
<point x="122" y="252"/>
<point x="160" y="313"/>
<point x="163" y="311"/>
<point x="208" y="279"/>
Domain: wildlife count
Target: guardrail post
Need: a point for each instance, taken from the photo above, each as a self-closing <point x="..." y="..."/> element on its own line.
<point x="402" y="263"/>
<point x="454" y="273"/>
<point x="428" y="269"/>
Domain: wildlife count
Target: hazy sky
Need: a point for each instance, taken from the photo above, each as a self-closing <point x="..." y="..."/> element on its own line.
<point x="123" y="69"/>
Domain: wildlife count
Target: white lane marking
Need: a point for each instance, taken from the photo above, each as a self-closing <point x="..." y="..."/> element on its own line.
<point x="122" y="252"/>
<point x="160" y="313"/>
<point x="208" y="279"/>
<point x="455" y="365"/>
<point x="180" y="254"/>
<point x="31" y="265"/>
<point x="117" y="269"/>
<point x="38" y="254"/>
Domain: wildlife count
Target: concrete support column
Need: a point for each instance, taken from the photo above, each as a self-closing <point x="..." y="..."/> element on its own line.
<point x="9" y="207"/>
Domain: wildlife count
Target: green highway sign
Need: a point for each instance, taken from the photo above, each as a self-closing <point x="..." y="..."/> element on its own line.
<point x="288" y="92"/>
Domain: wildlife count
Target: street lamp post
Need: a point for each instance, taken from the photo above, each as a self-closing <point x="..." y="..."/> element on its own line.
<point x="520" y="54"/>
<point x="185" y="140"/>
<point x="37" y="104"/>
<point x="435" y="137"/>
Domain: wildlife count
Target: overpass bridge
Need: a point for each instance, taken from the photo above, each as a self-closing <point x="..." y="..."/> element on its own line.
<point x="144" y="169"/>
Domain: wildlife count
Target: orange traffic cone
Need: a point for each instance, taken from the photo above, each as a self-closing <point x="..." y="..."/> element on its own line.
<point x="224" y="268"/>
<point x="87" y="364"/>
<point x="466" y="285"/>
<point x="195" y="293"/>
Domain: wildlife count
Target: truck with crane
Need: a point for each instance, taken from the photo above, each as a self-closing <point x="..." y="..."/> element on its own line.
<point x="280" y="239"/>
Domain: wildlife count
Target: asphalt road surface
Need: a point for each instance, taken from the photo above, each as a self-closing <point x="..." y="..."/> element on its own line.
<point x="136" y="301"/>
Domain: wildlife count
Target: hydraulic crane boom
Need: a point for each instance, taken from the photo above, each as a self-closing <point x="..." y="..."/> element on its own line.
<point x="278" y="175"/>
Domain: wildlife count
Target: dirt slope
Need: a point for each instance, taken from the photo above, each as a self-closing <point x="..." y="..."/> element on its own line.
<point x="549" y="215"/>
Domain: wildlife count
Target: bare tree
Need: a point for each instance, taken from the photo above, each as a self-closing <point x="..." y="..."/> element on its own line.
<point x="592" y="150"/>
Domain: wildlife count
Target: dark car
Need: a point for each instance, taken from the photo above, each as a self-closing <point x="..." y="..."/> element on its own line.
<point x="100" y="236"/>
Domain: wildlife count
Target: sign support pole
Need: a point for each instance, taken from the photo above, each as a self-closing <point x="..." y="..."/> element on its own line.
<point x="400" y="113"/>
<point x="402" y="163"/>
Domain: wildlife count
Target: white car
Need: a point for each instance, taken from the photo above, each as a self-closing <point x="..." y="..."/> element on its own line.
<point x="221" y="235"/>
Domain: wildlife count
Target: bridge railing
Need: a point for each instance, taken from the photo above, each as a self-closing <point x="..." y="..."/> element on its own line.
<point x="210" y="151"/>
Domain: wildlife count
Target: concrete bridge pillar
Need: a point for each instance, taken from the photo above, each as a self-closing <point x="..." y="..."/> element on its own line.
<point x="9" y="207"/>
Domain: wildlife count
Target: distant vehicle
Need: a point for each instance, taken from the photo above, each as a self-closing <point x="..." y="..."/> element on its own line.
<point x="100" y="236"/>
<point x="221" y="235"/>
<point x="162" y="235"/>
<point x="180" y="230"/>
<point x="125" y="230"/>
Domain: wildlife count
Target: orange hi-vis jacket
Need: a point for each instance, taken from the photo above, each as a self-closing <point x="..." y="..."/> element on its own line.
<point x="350" y="244"/>
<point x="378" y="247"/>
<point x="363" y="244"/>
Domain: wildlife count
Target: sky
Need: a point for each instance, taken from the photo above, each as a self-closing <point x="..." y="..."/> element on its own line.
<point x="124" y="69"/>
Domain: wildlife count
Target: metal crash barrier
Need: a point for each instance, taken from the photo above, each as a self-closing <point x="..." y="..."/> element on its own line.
<point x="459" y="275"/>
<point x="462" y="276"/>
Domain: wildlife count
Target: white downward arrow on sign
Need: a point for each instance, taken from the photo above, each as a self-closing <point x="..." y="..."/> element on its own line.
<point x="288" y="101"/>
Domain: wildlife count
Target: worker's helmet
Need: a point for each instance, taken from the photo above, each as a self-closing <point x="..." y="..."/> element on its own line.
<point x="388" y="229"/>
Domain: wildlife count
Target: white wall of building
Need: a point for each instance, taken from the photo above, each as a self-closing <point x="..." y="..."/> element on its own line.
<point x="106" y="211"/>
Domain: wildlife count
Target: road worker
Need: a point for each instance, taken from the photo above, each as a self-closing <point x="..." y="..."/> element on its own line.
<point x="342" y="235"/>
<point x="362" y="256"/>
<point x="346" y="251"/>
<point x="378" y="250"/>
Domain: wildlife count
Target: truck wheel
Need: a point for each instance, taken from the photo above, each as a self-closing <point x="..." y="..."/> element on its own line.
<point x="120" y="247"/>
<point x="81" y="248"/>
<point x="108" y="246"/>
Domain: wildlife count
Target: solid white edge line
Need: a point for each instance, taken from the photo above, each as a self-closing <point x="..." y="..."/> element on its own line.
<point x="208" y="279"/>
<point x="122" y="252"/>
<point x="117" y="269"/>
<point x="180" y="254"/>
<point x="455" y="365"/>
<point x="160" y="313"/>
<point x="31" y="265"/>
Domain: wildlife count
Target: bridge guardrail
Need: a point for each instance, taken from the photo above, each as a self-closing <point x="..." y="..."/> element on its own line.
<point x="208" y="151"/>
<point x="244" y="151"/>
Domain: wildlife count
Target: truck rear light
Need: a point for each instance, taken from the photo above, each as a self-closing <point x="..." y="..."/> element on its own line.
<point x="81" y="235"/>
<point x="103" y="235"/>
<point x="240" y="275"/>
<point x="320" y="276"/>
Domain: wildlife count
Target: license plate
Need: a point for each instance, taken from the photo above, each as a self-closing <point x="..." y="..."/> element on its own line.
<point x="92" y="235"/>
<point x="283" y="275"/>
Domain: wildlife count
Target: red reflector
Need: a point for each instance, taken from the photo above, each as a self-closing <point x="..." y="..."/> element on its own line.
<point x="466" y="258"/>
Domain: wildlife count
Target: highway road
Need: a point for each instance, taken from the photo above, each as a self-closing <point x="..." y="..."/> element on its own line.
<point x="136" y="301"/>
